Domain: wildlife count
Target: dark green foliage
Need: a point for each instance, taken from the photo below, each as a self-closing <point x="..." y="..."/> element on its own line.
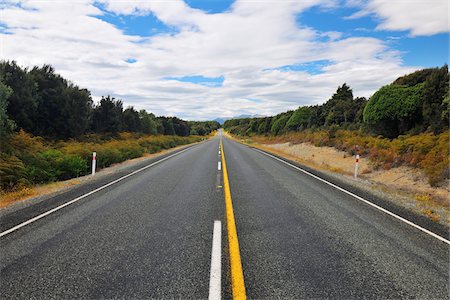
<point x="338" y="109"/>
<point x="77" y="111"/>
<point x="180" y="127"/>
<point x="45" y="104"/>
<point x="107" y="115"/>
<point x="300" y="119"/>
<point x="414" y="78"/>
<point x="131" y="120"/>
<point x="22" y="106"/>
<point x="435" y="90"/>
<point x="279" y="123"/>
<point x="6" y="124"/>
<point x="445" y="110"/>
<point x="394" y="109"/>
<point x="203" y="127"/>
<point x="167" y="125"/>
<point x="264" y="125"/>
<point x="148" y="122"/>
<point x="63" y="110"/>
<point x="342" y="109"/>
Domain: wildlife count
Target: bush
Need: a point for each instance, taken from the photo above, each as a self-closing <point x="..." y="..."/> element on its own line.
<point x="28" y="160"/>
<point x="12" y="171"/>
<point x="394" y="109"/>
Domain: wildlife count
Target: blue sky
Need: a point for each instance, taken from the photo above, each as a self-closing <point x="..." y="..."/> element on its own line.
<point x="415" y="50"/>
<point x="205" y="59"/>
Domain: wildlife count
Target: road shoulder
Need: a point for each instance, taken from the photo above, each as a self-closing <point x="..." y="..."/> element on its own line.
<point x="366" y="193"/>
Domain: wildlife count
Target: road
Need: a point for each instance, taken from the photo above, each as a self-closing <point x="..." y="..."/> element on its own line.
<point x="150" y="235"/>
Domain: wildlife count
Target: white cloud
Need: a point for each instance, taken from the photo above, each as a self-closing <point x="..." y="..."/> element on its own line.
<point x="245" y="45"/>
<point x="420" y="17"/>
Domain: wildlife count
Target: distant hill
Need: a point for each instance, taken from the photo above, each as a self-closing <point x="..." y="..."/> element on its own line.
<point x="222" y="120"/>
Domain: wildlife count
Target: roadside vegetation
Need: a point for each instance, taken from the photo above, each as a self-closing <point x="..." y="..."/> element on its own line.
<point x="403" y="123"/>
<point x="49" y="128"/>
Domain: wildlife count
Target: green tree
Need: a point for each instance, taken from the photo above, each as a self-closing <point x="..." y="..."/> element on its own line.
<point x="64" y="110"/>
<point x="338" y="109"/>
<point x="445" y="110"/>
<point x="77" y="111"/>
<point x="434" y="92"/>
<point x="167" y="125"/>
<point x="107" y="115"/>
<point x="300" y="118"/>
<point x="414" y="78"/>
<point x="180" y="127"/>
<point x="148" y="122"/>
<point x="279" y="124"/>
<point x="394" y="109"/>
<point x="6" y="125"/>
<point x="131" y="120"/>
<point x="22" y="103"/>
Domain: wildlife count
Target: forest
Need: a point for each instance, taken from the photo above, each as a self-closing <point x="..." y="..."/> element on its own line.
<point x="49" y="128"/>
<point x="414" y="103"/>
<point x="403" y="123"/>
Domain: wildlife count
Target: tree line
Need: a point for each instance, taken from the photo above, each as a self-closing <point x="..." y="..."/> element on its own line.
<point x="43" y="103"/>
<point x="414" y="103"/>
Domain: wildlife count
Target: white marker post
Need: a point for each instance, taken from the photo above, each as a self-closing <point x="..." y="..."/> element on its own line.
<point x="94" y="162"/>
<point x="356" y="165"/>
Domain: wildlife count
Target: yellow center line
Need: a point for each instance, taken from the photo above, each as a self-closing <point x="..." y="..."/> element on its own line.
<point x="237" y="275"/>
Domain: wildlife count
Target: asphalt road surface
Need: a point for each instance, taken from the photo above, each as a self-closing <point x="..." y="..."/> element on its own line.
<point x="150" y="235"/>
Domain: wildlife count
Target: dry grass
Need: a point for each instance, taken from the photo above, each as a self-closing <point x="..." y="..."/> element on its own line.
<point x="7" y="198"/>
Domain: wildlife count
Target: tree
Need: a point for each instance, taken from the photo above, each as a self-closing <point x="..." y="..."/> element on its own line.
<point x="338" y="109"/>
<point x="64" y="110"/>
<point x="394" y="109"/>
<point x="6" y="125"/>
<point x="434" y="92"/>
<point x="180" y="127"/>
<point x="107" y="115"/>
<point x="77" y="111"/>
<point x="264" y="127"/>
<point x="148" y="122"/>
<point x="167" y="124"/>
<point x="131" y="120"/>
<point x="445" y="110"/>
<point x="300" y="119"/>
<point x="50" y="87"/>
<point x="279" y="124"/>
<point x="22" y="103"/>
<point x="414" y="78"/>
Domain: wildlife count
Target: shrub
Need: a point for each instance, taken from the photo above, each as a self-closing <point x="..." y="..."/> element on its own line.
<point x="394" y="109"/>
<point x="12" y="171"/>
<point x="28" y="160"/>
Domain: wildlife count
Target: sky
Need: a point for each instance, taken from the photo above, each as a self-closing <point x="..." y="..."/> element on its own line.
<point x="199" y="60"/>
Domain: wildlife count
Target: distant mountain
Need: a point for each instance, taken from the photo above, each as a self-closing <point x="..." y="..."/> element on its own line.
<point x="222" y="120"/>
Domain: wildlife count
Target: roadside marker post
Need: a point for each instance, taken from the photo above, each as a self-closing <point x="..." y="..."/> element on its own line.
<point x="356" y="165"/>
<point x="94" y="162"/>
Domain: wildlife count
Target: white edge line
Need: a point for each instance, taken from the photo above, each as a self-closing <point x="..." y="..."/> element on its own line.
<point x="361" y="199"/>
<point x="87" y="194"/>
<point x="215" y="283"/>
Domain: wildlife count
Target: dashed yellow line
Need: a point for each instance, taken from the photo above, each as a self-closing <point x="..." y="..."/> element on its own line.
<point x="237" y="275"/>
